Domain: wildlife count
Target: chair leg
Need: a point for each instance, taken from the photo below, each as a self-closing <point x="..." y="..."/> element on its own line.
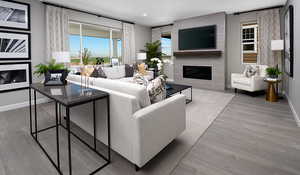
<point x="235" y="90"/>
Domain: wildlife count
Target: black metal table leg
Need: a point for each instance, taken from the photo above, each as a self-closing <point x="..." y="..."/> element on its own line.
<point x="30" y="111"/>
<point x="108" y="128"/>
<point x="35" y="116"/>
<point x="57" y="135"/>
<point x="94" y="123"/>
<point x="59" y="113"/>
<point x="69" y="139"/>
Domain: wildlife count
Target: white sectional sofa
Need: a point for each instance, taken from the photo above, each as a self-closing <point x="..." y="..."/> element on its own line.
<point x="139" y="129"/>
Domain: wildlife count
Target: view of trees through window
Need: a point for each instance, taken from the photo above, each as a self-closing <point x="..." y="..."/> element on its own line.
<point x="101" y="42"/>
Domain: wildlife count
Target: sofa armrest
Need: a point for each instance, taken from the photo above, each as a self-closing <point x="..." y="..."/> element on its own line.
<point x="257" y="83"/>
<point x="157" y="125"/>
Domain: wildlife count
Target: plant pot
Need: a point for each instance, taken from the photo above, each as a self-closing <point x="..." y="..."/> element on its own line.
<point x="273" y="76"/>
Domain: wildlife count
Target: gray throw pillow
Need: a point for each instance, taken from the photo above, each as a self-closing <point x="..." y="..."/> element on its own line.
<point x="98" y="73"/>
<point x="129" y="70"/>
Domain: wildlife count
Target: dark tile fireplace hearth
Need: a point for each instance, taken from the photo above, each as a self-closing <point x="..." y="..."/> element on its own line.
<point x="197" y="72"/>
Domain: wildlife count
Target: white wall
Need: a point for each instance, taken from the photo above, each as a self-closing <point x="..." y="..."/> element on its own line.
<point x="292" y="85"/>
<point x="38" y="38"/>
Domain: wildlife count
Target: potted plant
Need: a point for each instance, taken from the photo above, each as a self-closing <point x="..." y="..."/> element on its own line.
<point x="153" y="51"/>
<point x="273" y="72"/>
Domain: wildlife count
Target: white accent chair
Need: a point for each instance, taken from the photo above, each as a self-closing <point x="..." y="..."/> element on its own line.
<point x="251" y="84"/>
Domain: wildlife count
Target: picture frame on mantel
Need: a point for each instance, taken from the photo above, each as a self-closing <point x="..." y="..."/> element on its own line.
<point x="14" y="45"/>
<point x="14" y="15"/>
<point x="289" y="41"/>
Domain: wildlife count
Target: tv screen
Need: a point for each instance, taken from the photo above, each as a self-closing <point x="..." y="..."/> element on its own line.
<point x="197" y="38"/>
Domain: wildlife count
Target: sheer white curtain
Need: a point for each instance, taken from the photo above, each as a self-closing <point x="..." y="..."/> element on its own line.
<point x="269" y="29"/>
<point x="128" y="44"/>
<point x="57" y="29"/>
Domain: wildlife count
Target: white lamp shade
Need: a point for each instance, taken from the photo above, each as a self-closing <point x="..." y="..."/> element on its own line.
<point x="277" y="45"/>
<point x="141" y="56"/>
<point x="61" y="57"/>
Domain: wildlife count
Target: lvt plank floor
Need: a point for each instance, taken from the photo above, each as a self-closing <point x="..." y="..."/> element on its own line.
<point x="250" y="137"/>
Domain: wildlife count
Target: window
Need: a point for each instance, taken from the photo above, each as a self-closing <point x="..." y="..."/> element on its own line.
<point x="100" y="42"/>
<point x="249" y="42"/>
<point x="166" y="45"/>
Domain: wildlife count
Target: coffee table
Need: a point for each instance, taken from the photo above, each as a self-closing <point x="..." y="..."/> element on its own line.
<point x="173" y="88"/>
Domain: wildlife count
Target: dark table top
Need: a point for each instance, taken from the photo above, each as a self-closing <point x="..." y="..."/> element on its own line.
<point x="175" y="88"/>
<point x="70" y="94"/>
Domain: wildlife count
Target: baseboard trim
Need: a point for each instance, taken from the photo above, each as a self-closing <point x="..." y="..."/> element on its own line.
<point x="296" y="116"/>
<point x="21" y="105"/>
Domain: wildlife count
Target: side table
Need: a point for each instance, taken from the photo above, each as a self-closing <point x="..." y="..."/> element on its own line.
<point x="271" y="95"/>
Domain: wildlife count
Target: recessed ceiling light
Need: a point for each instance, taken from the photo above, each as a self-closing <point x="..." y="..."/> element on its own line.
<point x="145" y="14"/>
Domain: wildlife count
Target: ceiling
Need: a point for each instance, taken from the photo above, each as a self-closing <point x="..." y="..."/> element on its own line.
<point x="160" y="12"/>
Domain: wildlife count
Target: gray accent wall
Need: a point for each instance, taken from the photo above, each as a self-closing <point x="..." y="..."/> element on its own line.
<point x="292" y="85"/>
<point x="218" y="63"/>
<point x="233" y="43"/>
<point x="38" y="37"/>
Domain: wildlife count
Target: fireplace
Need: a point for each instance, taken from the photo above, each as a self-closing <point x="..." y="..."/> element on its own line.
<point x="14" y="76"/>
<point x="197" y="72"/>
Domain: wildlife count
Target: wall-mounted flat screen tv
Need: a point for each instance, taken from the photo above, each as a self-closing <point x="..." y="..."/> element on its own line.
<point x="198" y="38"/>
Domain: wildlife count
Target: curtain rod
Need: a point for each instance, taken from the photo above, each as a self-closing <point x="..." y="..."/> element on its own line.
<point x="162" y="26"/>
<point x="268" y="8"/>
<point x="87" y="12"/>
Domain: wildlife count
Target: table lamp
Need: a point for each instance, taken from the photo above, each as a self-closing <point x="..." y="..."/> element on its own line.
<point x="141" y="56"/>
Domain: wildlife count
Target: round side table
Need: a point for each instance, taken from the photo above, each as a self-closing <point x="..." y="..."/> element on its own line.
<point x="271" y="95"/>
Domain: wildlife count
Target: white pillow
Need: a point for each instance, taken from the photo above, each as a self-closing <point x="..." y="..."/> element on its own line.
<point x="114" y="72"/>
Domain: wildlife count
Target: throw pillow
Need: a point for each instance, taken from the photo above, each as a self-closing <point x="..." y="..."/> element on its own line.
<point x="157" y="89"/>
<point x="250" y="71"/>
<point x="87" y="71"/>
<point x="140" y="79"/>
<point x="129" y="70"/>
<point x="142" y="69"/>
<point x="98" y="73"/>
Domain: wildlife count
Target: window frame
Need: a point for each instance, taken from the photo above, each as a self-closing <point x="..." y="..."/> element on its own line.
<point x="109" y="29"/>
<point x="249" y="25"/>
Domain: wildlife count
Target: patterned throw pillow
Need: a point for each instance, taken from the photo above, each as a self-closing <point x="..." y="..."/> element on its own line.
<point x="98" y="73"/>
<point x="250" y="71"/>
<point x="157" y="89"/>
<point x="129" y="70"/>
<point x="140" y="79"/>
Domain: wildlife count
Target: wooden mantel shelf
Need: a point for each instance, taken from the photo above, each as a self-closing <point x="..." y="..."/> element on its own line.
<point x="200" y="53"/>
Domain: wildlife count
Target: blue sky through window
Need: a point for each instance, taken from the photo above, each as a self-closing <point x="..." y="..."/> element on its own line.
<point x="166" y="44"/>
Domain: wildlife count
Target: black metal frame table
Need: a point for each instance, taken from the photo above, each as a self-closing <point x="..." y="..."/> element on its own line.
<point x="71" y="95"/>
<point x="178" y="88"/>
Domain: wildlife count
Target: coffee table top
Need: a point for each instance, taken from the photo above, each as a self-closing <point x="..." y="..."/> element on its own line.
<point x="175" y="88"/>
<point x="70" y="94"/>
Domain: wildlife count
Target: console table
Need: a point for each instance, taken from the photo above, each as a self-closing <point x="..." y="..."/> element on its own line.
<point x="68" y="96"/>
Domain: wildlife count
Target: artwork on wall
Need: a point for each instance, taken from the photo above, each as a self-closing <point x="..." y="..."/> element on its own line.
<point x="15" y="76"/>
<point x="289" y="41"/>
<point x="14" y="15"/>
<point x="14" y="45"/>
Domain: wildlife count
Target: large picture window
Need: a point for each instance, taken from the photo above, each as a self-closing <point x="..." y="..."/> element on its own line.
<point x="98" y="41"/>
<point x="249" y="42"/>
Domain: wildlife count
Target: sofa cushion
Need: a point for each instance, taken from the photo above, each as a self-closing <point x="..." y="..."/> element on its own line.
<point x="114" y="72"/>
